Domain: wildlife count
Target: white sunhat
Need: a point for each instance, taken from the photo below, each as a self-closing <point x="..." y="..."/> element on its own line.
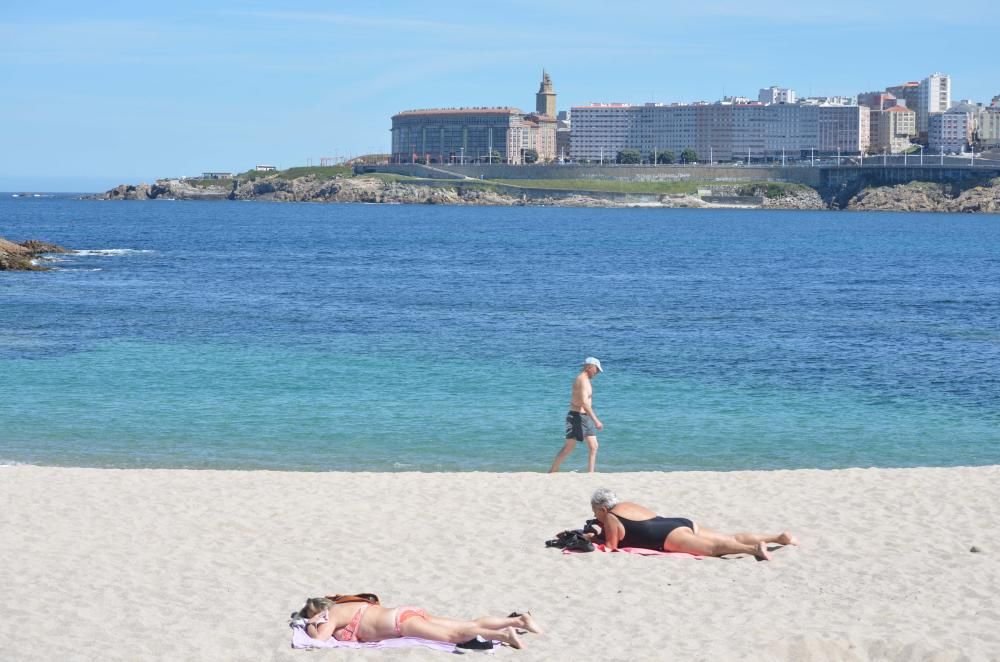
<point x="590" y="360"/>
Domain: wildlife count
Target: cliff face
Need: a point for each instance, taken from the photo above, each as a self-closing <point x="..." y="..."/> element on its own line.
<point x="169" y="189"/>
<point x="926" y="196"/>
<point x="22" y="256"/>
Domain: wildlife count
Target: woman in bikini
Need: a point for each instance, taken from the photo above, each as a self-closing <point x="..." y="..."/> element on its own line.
<point x="625" y="524"/>
<point x="365" y="620"/>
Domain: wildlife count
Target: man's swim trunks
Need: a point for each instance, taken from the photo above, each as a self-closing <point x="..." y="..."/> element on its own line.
<point x="579" y="426"/>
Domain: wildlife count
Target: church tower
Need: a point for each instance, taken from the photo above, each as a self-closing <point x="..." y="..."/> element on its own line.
<point x="545" y="100"/>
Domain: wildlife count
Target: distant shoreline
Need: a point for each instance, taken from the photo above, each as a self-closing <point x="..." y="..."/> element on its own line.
<point x="331" y="185"/>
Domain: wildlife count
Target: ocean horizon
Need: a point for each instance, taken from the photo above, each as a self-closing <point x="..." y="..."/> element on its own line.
<point x="312" y="337"/>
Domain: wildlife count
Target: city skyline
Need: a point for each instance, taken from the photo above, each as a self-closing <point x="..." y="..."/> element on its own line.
<point x="126" y="93"/>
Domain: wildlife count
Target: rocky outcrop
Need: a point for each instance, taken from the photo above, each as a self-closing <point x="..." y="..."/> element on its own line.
<point x="24" y="256"/>
<point x="915" y="196"/>
<point x="128" y="192"/>
<point x="798" y="198"/>
<point x="927" y="196"/>
<point x="170" y="189"/>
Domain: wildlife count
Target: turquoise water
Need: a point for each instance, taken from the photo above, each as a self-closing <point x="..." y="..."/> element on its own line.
<point x="317" y="337"/>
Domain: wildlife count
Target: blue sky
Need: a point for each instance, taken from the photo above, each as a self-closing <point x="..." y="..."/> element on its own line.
<point x="96" y="94"/>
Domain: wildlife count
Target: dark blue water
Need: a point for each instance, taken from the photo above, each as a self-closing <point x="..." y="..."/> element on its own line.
<point x="296" y="336"/>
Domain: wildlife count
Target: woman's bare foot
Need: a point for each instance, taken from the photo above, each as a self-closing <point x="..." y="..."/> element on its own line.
<point x="762" y="552"/>
<point x="528" y="623"/>
<point x="511" y="639"/>
<point x="787" y="539"/>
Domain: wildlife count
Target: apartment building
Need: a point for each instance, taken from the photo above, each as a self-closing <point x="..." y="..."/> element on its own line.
<point x="892" y="129"/>
<point x="720" y="131"/>
<point x="949" y="132"/>
<point x="988" y="132"/>
<point x="934" y="96"/>
<point x="600" y="131"/>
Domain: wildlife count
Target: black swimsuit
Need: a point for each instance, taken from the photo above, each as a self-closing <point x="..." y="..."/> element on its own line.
<point x="650" y="533"/>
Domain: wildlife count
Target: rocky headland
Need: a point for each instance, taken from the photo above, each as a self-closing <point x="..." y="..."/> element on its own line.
<point x="25" y="256"/>
<point x="928" y="196"/>
<point x="914" y="196"/>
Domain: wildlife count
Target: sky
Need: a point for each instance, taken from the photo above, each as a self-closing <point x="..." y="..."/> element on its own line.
<point x="94" y="94"/>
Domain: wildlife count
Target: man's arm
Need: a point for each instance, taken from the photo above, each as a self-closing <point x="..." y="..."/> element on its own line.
<point x="588" y="408"/>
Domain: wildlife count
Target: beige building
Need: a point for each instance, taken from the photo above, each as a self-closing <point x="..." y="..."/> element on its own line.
<point x="477" y="135"/>
<point x="538" y="132"/>
<point x="988" y="133"/>
<point x="891" y="129"/>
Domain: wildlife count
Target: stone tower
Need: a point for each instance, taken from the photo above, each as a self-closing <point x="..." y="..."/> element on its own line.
<point x="545" y="100"/>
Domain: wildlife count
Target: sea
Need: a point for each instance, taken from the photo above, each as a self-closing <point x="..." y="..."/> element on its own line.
<point x="319" y="337"/>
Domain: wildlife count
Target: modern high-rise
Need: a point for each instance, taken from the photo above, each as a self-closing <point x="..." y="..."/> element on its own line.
<point x="719" y="131"/>
<point x="934" y="96"/>
<point x="600" y="131"/>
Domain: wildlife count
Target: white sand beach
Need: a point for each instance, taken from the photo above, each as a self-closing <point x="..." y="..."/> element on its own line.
<point x="207" y="565"/>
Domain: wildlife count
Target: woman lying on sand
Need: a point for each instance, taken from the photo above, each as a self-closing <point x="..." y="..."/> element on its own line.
<point x="366" y="620"/>
<point x="626" y="524"/>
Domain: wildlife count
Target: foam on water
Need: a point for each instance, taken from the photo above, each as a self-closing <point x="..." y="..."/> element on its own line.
<point x="109" y="252"/>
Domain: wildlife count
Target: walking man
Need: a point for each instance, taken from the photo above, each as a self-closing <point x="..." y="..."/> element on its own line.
<point x="582" y="423"/>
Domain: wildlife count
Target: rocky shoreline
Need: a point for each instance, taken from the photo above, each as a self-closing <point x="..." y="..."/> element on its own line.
<point x="913" y="196"/>
<point x="24" y="256"/>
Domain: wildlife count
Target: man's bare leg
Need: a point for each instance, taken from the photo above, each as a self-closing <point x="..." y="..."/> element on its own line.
<point x="591" y="453"/>
<point x="563" y="454"/>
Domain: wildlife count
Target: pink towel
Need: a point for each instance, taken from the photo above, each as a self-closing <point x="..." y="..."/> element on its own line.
<point x="302" y="640"/>
<point x="599" y="547"/>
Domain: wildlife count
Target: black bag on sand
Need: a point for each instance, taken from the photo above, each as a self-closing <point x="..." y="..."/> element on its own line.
<point x="571" y="539"/>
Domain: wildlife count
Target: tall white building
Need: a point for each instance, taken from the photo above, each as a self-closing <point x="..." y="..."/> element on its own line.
<point x="720" y="131"/>
<point x="934" y="96"/>
<point x="775" y="94"/>
<point x="600" y="131"/>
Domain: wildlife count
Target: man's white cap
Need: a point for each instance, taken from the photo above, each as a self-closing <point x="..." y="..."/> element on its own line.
<point x="590" y="360"/>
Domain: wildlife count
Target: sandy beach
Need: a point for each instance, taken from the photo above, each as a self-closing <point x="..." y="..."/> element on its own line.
<point x="102" y="564"/>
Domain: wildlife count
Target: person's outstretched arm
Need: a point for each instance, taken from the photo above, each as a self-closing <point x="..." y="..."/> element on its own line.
<point x="320" y="626"/>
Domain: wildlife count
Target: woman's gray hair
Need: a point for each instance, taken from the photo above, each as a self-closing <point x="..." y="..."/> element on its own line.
<point x="604" y="498"/>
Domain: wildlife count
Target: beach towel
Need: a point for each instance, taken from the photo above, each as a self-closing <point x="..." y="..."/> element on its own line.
<point x="302" y="640"/>
<point x="600" y="547"/>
